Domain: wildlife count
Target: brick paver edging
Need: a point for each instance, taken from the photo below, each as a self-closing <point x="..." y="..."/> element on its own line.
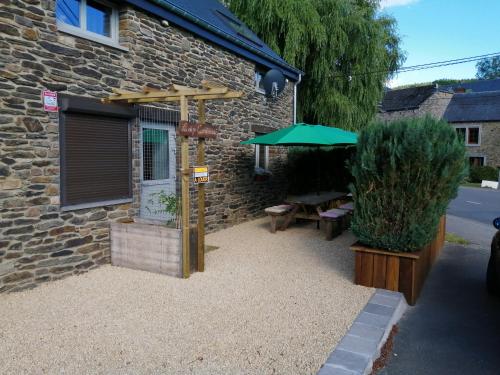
<point x="361" y="345"/>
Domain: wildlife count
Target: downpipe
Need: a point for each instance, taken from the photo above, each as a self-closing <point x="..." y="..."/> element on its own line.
<point x="295" y="98"/>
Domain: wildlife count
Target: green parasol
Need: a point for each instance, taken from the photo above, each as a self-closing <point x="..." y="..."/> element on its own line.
<point x="308" y="136"/>
<point x="305" y="135"/>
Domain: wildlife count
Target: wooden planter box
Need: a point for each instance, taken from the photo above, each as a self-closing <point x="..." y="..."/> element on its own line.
<point x="402" y="272"/>
<point x="146" y="247"/>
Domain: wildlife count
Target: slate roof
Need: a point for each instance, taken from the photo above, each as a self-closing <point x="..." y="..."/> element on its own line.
<point x="406" y="99"/>
<point x="212" y="21"/>
<point x="474" y="107"/>
<point x="477" y="86"/>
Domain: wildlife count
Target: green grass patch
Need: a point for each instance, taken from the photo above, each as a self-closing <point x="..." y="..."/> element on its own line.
<point x="209" y="248"/>
<point x="454" y="238"/>
<point x="471" y="184"/>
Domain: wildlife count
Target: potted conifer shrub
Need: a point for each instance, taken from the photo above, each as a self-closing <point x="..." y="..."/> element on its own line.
<point x="405" y="174"/>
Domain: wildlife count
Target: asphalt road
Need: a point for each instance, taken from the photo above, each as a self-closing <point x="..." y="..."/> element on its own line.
<point x="481" y="205"/>
<point x="454" y="329"/>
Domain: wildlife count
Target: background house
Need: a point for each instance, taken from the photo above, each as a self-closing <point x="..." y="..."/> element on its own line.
<point x="482" y="85"/>
<point x="414" y="102"/>
<point x="474" y="115"/>
<point x="65" y="175"/>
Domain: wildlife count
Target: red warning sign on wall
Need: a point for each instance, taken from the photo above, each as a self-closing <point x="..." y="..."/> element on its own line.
<point x="49" y="99"/>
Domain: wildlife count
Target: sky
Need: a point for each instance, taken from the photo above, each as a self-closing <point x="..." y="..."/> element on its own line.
<point x="438" y="30"/>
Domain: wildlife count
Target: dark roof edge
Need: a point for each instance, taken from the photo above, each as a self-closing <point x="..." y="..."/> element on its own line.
<point x="468" y="121"/>
<point x="197" y="26"/>
<point x="401" y="109"/>
<point x="445" y="90"/>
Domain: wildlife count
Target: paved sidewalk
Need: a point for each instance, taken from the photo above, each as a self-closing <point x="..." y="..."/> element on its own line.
<point x="455" y="327"/>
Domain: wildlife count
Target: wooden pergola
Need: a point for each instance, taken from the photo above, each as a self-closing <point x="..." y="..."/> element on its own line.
<point x="181" y="94"/>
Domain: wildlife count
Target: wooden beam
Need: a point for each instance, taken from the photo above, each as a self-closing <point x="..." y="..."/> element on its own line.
<point x="212" y="85"/>
<point x="176" y="98"/>
<point x="176" y="87"/>
<point x="147" y="89"/>
<point x="173" y="96"/>
<point x="120" y="91"/>
<point x="185" y="191"/>
<point x="201" y="192"/>
<point x="211" y="96"/>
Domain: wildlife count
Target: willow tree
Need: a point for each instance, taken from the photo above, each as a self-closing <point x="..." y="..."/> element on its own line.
<point x="345" y="48"/>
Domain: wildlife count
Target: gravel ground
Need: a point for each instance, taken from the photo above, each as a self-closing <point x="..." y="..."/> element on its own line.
<point x="267" y="304"/>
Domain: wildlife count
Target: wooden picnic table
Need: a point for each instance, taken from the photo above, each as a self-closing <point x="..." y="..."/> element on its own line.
<point x="309" y="206"/>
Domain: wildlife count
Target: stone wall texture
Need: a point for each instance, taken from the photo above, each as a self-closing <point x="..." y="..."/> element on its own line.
<point x="435" y="106"/>
<point x="38" y="241"/>
<point x="490" y="142"/>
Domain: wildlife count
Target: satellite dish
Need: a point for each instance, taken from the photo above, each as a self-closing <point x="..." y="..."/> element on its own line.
<point x="274" y="83"/>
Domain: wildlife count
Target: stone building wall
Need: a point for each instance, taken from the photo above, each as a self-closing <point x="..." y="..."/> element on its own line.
<point x="435" y="106"/>
<point x="39" y="242"/>
<point x="490" y="142"/>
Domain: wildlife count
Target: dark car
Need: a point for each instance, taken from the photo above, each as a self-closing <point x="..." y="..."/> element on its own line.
<point x="493" y="272"/>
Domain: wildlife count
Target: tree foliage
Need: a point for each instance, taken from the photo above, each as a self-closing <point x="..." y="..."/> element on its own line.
<point x="346" y="50"/>
<point x="484" y="172"/>
<point x="451" y="81"/>
<point x="405" y="173"/>
<point x="488" y="68"/>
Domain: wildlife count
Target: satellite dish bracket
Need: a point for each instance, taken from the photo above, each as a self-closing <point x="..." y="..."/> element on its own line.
<point x="274" y="83"/>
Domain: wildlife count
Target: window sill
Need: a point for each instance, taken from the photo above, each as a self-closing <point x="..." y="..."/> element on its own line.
<point x="90" y="36"/>
<point x="82" y="206"/>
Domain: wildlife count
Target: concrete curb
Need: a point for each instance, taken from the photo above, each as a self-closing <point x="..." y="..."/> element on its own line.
<point x="361" y="345"/>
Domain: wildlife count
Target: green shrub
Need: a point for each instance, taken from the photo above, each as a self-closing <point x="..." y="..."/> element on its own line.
<point x="405" y="173"/>
<point x="478" y="174"/>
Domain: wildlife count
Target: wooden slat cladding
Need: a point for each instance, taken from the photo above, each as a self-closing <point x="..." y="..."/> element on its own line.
<point x="95" y="158"/>
<point x="403" y="272"/>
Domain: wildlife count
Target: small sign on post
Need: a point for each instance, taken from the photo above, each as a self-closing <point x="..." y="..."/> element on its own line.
<point x="49" y="99"/>
<point x="196" y="130"/>
<point x="200" y="175"/>
<point x="188" y="129"/>
<point x="207" y="131"/>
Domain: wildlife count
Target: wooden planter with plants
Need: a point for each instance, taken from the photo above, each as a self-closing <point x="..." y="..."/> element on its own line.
<point x="405" y="174"/>
<point x="153" y="246"/>
<point x="403" y="272"/>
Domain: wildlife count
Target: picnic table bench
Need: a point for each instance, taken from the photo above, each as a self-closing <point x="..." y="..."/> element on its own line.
<point x="276" y="211"/>
<point x="310" y="206"/>
<point x="333" y="217"/>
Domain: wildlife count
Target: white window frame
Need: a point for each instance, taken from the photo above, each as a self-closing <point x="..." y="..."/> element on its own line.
<point x="467" y="127"/>
<point x="266" y="157"/>
<point x="257" y="78"/>
<point x="82" y="32"/>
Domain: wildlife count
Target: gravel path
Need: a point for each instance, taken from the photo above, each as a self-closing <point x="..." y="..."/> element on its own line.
<point x="267" y="304"/>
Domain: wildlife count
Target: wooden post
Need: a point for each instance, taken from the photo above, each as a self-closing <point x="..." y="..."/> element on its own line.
<point x="201" y="192"/>
<point x="185" y="191"/>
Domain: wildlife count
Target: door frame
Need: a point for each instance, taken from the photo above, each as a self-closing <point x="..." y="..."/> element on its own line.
<point x="172" y="150"/>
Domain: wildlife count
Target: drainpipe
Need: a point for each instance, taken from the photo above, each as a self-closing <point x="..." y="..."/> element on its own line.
<point x="295" y="99"/>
